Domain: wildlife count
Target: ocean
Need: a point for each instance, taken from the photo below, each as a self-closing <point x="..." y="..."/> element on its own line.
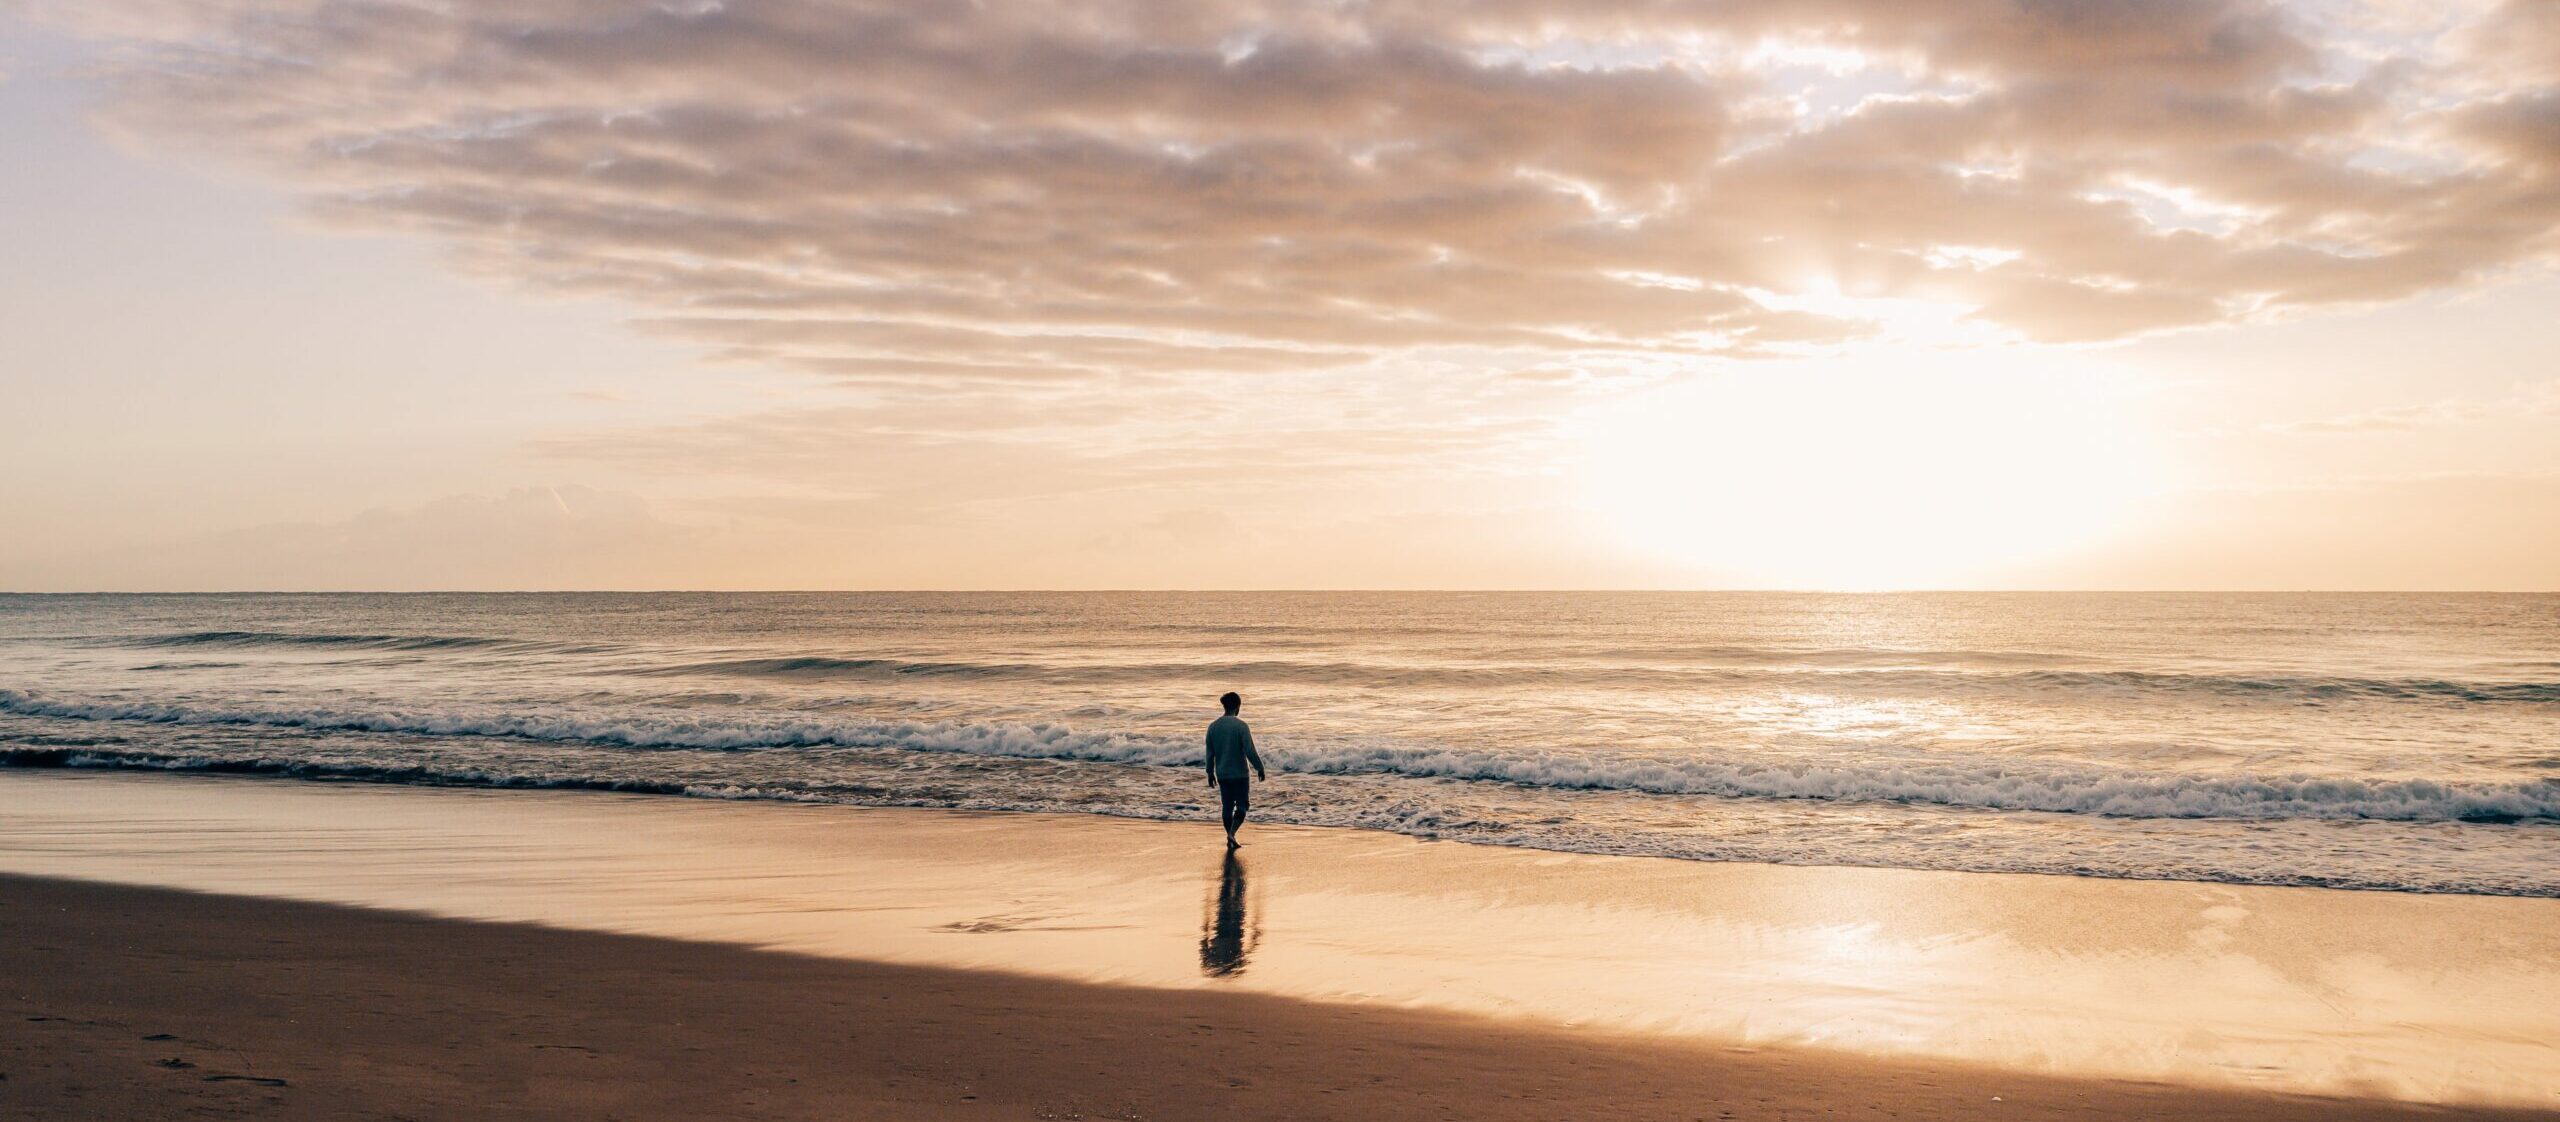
<point x="2392" y="742"/>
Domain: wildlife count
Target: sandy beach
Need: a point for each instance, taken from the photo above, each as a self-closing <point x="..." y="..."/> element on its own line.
<point x="1974" y="560"/>
<point x="144" y="1003"/>
<point x="399" y="952"/>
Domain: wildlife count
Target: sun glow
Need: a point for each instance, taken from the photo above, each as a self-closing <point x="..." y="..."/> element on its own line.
<point x="1825" y="475"/>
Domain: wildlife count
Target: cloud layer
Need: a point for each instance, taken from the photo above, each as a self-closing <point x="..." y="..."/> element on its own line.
<point x="1085" y="281"/>
<point x="904" y="193"/>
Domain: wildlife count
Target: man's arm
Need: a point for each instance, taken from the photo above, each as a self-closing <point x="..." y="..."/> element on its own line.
<point x="1254" y="757"/>
<point x="1209" y="755"/>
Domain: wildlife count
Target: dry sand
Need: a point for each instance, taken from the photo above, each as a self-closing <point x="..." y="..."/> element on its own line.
<point x="134" y="1003"/>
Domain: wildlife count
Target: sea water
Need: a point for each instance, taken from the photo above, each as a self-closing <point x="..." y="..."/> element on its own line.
<point x="2397" y="742"/>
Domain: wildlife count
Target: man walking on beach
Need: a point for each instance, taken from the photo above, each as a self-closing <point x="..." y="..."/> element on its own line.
<point x="1230" y="749"/>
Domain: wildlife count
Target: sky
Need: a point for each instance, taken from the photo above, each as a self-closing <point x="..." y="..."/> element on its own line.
<point x="1392" y="294"/>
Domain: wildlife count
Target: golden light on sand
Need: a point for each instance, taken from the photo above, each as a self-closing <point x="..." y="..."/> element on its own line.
<point x="1834" y="476"/>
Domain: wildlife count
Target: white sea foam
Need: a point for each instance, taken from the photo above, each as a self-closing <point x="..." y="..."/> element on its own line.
<point x="2496" y="861"/>
<point x="1974" y="781"/>
<point x="1854" y="670"/>
<point x="2365" y="741"/>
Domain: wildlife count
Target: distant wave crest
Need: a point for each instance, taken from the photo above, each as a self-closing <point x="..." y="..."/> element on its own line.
<point x="191" y="639"/>
<point x="1864" y="674"/>
<point x="1974" y="782"/>
<point x="351" y="641"/>
<point x="1847" y="670"/>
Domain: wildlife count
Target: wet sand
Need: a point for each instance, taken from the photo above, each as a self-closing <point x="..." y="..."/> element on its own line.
<point x="149" y="1003"/>
<point x="710" y="953"/>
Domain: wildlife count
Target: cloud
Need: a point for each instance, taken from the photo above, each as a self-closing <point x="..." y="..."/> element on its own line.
<point x="2524" y="128"/>
<point x="922" y="194"/>
<point x="528" y="538"/>
<point x="2527" y="401"/>
<point x="997" y="449"/>
<point x="1048" y="270"/>
<point x="2522" y="39"/>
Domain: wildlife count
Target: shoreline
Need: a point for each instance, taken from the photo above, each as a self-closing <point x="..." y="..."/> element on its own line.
<point x="1278" y="807"/>
<point x="141" y="1002"/>
<point x="2442" y="999"/>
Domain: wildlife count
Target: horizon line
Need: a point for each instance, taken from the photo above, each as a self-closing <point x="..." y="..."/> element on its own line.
<point x="2145" y="591"/>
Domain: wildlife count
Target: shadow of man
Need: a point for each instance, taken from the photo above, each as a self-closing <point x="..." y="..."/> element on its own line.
<point x="1224" y="939"/>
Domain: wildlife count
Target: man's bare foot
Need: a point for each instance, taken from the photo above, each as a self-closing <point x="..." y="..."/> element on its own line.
<point x="1232" y="843"/>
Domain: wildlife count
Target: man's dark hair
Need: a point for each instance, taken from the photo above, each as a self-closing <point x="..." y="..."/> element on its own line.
<point x="1232" y="702"/>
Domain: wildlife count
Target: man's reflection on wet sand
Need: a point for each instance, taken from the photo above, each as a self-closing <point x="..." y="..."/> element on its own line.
<point x="1225" y="941"/>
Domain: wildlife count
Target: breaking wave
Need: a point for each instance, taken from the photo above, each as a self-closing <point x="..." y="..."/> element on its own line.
<point x="1860" y="671"/>
<point x="1974" y="782"/>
